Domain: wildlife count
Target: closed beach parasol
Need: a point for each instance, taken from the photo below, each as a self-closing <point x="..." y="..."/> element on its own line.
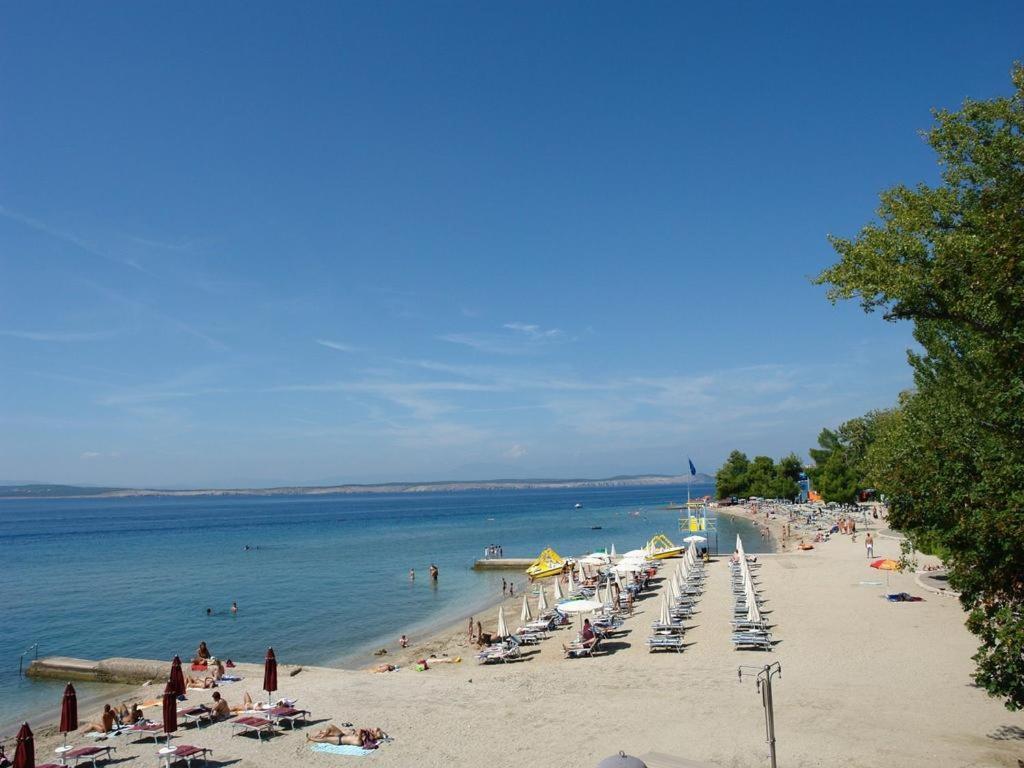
<point x="666" y="616"/>
<point x="542" y="601"/>
<point x="502" y="629"/>
<point x="270" y="674"/>
<point x="570" y="587"/>
<point x="525" y="615"/>
<point x="558" y="589"/>
<point x="612" y="553"/>
<point x="68" y="712"/>
<point x="25" y="752"/>
<point x="170" y="710"/>
<point x="884" y="564"/>
<point x="177" y="677"/>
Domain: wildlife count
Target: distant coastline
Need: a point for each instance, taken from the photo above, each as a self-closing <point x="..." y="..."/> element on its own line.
<point x="47" y="491"/>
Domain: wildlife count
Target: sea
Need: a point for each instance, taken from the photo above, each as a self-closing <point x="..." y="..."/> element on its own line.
<point x="322" y="579"/>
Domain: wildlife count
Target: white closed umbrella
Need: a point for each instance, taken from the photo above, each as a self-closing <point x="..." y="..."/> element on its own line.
<point x="571" y="587"/>
<point x="502" y="629"/>
<point x="542" y="601"/>
<point x="558" y="589"/>
<point x="618" y="581"/>
<point x="672" y="591"/>
<point x="666" y="617"/>
<point x="613" y="549"/>
<point x="525" y="615"/>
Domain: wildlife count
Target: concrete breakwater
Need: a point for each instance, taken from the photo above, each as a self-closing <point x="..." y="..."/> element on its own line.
<point x="128" y="671"/>
<point x="503" y="563"/>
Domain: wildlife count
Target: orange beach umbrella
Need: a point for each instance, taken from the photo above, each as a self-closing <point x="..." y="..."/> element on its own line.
<point x="884" y="564"/>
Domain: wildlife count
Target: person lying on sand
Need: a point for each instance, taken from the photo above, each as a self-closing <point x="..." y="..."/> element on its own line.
<point x="385" y="668"/>
<point x="195" y="682"/>
<point x="106" y="723"/>
<point x="356" y="737"/>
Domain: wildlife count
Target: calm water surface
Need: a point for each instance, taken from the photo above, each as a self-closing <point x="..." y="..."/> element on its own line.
<point x="94" y="578"/>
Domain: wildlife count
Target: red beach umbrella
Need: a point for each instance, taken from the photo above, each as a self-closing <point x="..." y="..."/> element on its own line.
<point x="68" y="712"/>
<point x="270" y="673"/>
<point x="25" y="752"/>
<point x="177" y="677"/>
<point x="170" y="708"/>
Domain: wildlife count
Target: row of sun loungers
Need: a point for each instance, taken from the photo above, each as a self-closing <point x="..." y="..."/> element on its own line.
<point x="750" y="630"/>
<point x="685" y="586"/>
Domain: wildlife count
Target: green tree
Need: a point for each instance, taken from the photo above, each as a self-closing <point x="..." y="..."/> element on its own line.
<point x="731" y="478"/>
<point x="950" y="259"/>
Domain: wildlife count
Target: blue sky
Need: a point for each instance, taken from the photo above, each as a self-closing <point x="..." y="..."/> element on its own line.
<point x="252" y="244"/>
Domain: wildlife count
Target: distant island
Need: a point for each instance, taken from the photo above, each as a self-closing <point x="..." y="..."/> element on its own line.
<point x="45" y="491"/>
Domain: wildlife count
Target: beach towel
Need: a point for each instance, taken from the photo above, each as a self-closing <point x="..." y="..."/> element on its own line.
<point x="341" y="749"/>
<point x="903" y="597"/>
<point x="229" y="679"/>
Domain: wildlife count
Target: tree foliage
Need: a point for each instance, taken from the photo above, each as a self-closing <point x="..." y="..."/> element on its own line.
<point x="739" y="476"/>
<point x="840" y="461"/>
<point x="950" y="259"/>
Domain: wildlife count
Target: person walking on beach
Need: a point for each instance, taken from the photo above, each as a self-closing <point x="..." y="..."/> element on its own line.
<point x="469" y="630"/>
<point x="511" y="589"/>
<point x="869" y="545"/>
<point x="504" y="586"/>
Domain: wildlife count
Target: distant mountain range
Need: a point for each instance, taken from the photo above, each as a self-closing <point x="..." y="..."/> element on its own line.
<point x="44" y="491"/>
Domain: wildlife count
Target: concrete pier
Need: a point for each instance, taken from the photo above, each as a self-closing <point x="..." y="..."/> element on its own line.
<point x="503" y="563"/>
<point x="129" y="671"/>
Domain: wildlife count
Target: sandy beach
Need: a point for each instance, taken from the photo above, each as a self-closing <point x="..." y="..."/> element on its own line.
<point x="864" y="682"/>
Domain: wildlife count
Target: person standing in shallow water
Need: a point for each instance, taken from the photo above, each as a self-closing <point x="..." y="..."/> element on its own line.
<point x="412" y="574"/>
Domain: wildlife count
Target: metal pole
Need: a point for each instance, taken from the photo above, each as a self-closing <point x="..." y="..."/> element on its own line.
<point x="764" y="687"/>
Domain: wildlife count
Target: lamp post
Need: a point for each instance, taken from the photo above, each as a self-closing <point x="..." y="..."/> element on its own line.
<point x="764" y="687"/>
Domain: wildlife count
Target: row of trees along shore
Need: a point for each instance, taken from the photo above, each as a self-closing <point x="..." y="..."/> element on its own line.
<point x="949" y="456"/>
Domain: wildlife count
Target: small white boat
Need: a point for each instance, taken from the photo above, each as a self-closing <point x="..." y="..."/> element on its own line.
<point x="578" y="506"/>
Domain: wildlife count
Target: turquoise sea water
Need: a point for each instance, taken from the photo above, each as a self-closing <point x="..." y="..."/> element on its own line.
<point x="95" y="578"/>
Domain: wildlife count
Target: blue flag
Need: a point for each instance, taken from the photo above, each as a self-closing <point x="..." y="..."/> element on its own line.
<point x="693" y="469"/>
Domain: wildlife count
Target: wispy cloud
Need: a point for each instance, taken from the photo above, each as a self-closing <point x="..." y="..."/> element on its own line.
<point x="516" y="451"/>
<point x="534" y="331"/>
<point x="515" y="338"/>
<point x="65" y="337"/>
<point x="67" y="237"/>
<point x="338" y="345"/>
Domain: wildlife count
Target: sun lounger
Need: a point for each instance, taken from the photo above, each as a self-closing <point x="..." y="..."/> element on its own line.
<point x="761" y="641"/>
<point x="665" y="642"/>
<point x="576" y="650"/>
<point x="152" y="731"/>
<point x="501" y="653"/>
<point x="183" y="752"/>
<point x="668" y="629"/>
<point x="87" y="754"/>
<point x="252" y="724"/>
<point x="196" y="715"/>
<point x="289" y="714"/>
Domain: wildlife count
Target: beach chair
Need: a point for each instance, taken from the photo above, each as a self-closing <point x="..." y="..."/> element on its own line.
<point x="152" y="731"/>
<point x="761" y="641"/>
<point x="289" y="715"/>
<point x="672" y="642"/>
<point x="196" y="715"/>
<point x="578" y="650"/>
<point x="252" y="724"/>
<point x="499" y="653"/>
<point x="183" y="752"/>
<point x="86" y="754"/>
